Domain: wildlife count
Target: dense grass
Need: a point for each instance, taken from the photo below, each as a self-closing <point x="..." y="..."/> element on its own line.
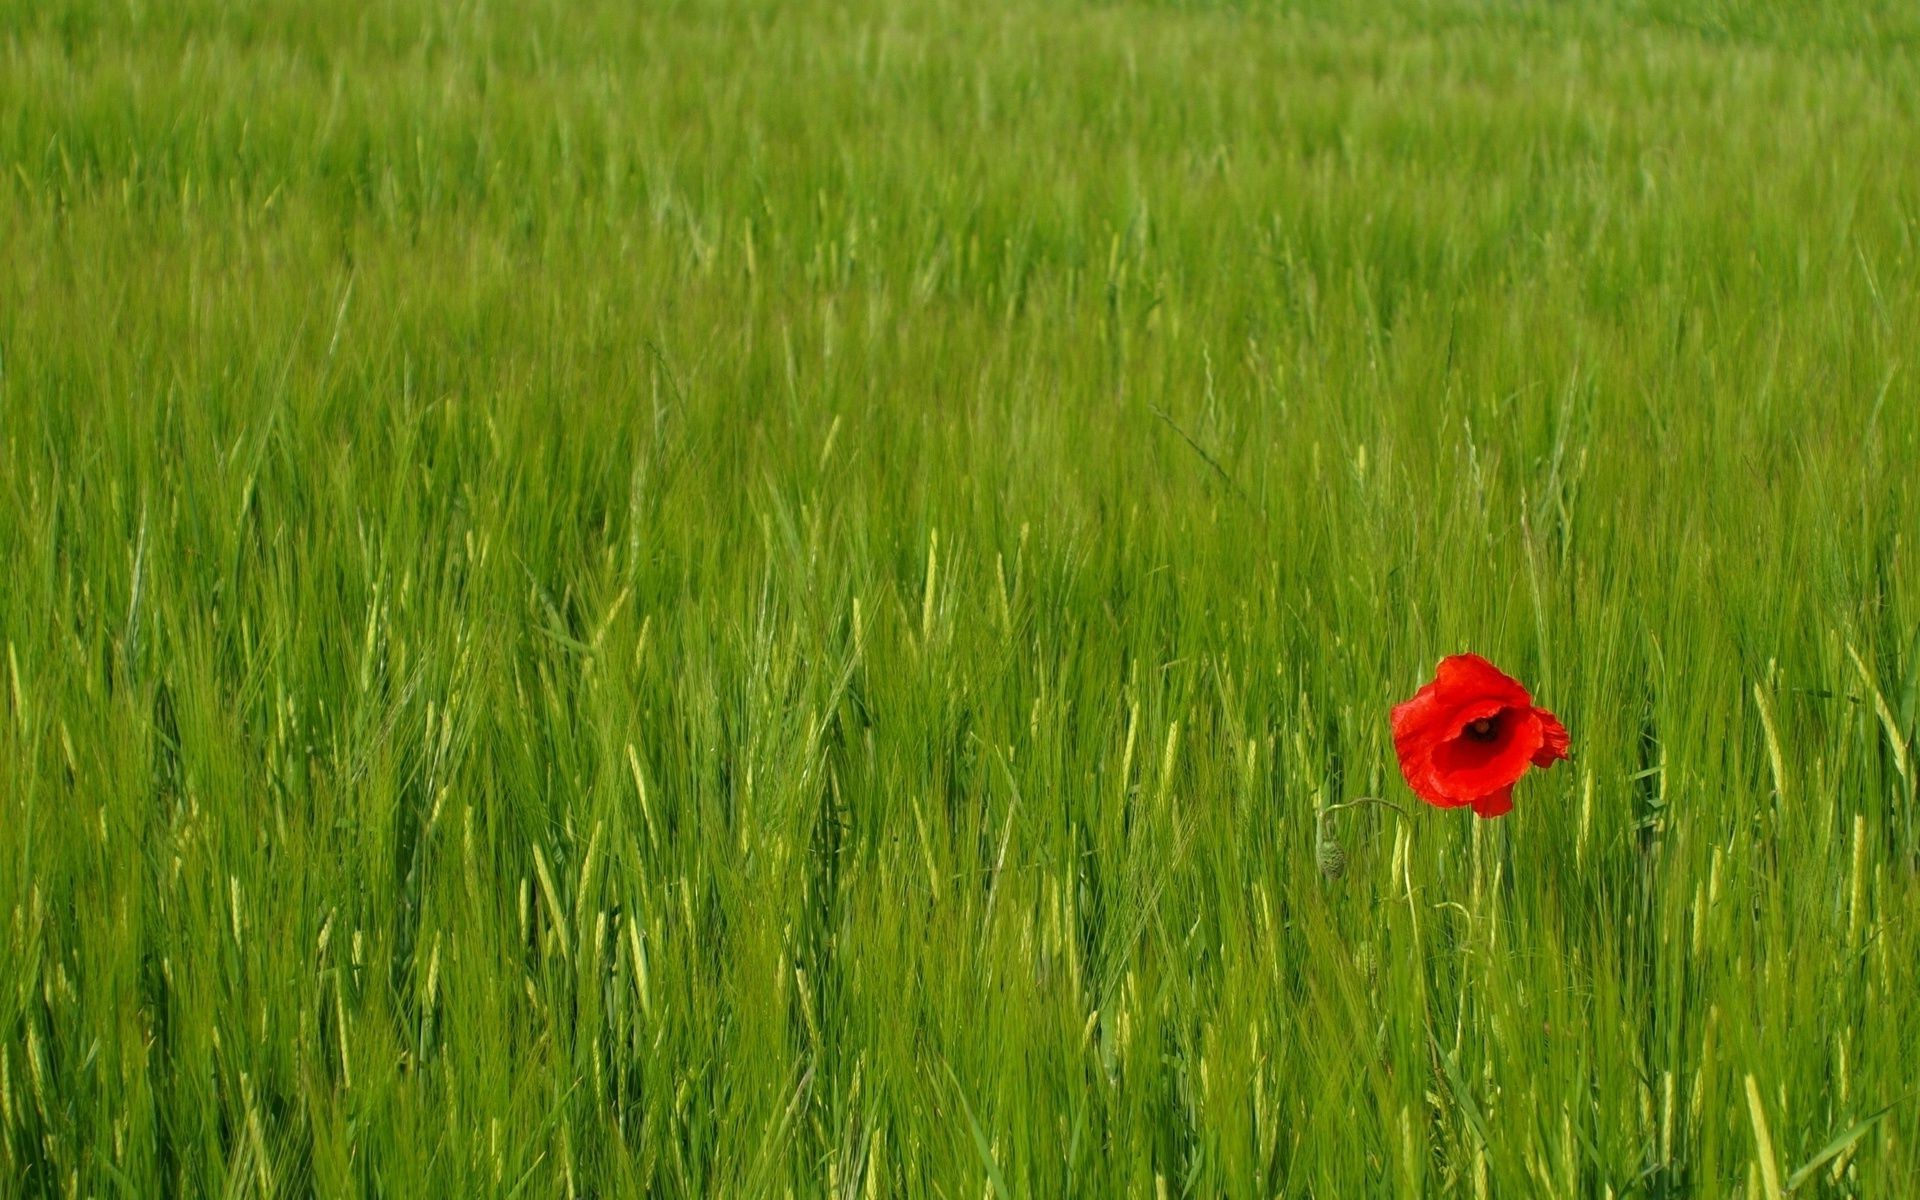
<point x="757" y="599"/>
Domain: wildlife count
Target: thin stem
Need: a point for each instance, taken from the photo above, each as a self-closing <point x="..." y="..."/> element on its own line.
<point x="1334" y="808"/>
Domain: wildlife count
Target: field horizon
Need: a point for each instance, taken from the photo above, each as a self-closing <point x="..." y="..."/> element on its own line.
<point x="739" y="599"/>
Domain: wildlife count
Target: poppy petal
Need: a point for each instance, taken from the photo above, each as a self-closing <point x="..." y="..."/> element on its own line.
<point x="1466" y="768"/>
<point x="1419" y="725"/>
<point x="1470" y="677"/>
<point x="1424" y="716"/>
<point x="1495" y="804"/>
<point x="1553" y="743"/>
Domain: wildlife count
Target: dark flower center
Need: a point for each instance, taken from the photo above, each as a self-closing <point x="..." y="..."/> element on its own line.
<point x="1483" y="730"/>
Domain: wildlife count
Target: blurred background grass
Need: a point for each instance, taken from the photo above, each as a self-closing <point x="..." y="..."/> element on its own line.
<point x="749" y="599"/>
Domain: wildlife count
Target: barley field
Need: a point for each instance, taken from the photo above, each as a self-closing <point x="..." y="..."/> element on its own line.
<point x="721" y="598"/>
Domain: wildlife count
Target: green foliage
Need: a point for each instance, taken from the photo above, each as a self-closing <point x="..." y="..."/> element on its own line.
<point x="756" y="599"/>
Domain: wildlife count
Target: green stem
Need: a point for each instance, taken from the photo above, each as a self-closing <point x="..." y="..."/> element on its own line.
<point x="1334" y="808"/>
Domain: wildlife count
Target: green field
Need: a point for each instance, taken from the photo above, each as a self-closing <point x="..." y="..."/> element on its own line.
<point x="748" y="599"/>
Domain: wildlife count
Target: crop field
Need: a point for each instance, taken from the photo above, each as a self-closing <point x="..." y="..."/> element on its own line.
<point x="722" y="598"/>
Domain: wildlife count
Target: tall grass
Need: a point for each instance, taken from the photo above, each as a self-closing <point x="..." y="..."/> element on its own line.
<point x="746" y="599"/>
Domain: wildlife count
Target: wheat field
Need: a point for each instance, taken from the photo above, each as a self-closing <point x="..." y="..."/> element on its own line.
<point x="720" y="598"/>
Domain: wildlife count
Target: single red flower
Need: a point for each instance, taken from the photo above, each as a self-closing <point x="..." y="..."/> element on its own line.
<point x="1467" y="737"/>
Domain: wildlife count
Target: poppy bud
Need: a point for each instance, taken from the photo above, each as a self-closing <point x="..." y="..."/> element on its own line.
<point x="1330" y="857"/>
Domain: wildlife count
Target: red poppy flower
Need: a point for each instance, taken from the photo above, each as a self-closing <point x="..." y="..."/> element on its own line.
<point x="1467" y="737"/>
